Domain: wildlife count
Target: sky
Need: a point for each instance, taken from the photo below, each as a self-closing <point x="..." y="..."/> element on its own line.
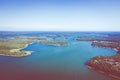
<point x="59" y="15"/>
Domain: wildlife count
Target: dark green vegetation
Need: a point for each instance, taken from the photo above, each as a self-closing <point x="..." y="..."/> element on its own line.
<point x="109" y="38"/>
<point x="109" y="65"/>
<point x="107" y="44"/>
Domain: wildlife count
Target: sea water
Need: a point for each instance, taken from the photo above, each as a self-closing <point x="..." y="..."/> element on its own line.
<point x="48" y="62"/>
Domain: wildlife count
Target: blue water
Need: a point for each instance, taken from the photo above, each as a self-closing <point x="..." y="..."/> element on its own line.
<point x="68" y="61"/>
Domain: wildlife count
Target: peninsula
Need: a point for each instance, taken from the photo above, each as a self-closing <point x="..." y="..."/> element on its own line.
<point x="108" y="65"/>
<point x="54" y="43"/>
<point x="13" y="47"/>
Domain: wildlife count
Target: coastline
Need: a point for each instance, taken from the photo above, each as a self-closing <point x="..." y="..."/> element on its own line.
<point x="91" y="66"/>
<point x="17" y="55"/>
<point x="17" y="52"/>
<point x="54" y="43"/>
<point x="20" y="51"/>
<point x="102" y="72"/>
<point x="108" y="65"/>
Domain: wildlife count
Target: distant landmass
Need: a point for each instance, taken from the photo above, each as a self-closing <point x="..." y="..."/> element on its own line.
<point x="15" y="44"/>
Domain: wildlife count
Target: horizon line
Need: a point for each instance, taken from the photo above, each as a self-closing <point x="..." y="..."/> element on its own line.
<point x="51" y="31"/>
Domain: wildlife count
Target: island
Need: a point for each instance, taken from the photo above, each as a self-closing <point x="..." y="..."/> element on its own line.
<point x="108" y="65"/>
<point x="54" y="43"/>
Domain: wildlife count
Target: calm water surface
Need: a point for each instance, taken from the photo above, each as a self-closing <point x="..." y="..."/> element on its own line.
<point x="54" y="62"/>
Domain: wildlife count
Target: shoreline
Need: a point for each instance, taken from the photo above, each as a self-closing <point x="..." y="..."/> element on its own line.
<point x="19" y="51"/>
<point x="108" y="65"/>
<point x="102" y="72"/>
<point x="27" y="52"/>
<point x="18" y="55"/>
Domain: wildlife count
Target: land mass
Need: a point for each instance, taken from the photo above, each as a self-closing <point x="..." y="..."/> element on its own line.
<point x="14" y="46"/>
<point x="54" y="43"/>
<point x="109" y="65"/>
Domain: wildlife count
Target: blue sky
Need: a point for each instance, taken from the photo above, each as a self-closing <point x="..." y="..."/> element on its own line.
<point x="60" y="15"/>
